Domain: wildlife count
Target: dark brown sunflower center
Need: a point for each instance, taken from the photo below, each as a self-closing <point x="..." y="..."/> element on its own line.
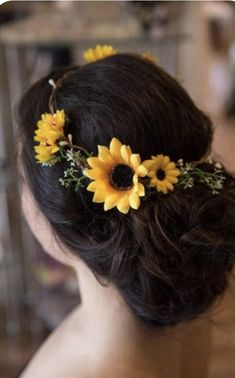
<point x="121" y="177"/>
<point x="160" y="174"/>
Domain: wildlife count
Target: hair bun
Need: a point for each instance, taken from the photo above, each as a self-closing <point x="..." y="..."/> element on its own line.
<point x="187" y="249"/>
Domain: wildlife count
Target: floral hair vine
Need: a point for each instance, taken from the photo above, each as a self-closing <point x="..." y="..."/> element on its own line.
<point x="117" y="176"/>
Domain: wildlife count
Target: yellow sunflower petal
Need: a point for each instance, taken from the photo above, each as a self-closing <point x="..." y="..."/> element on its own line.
<point x="166" y="160"/>
<point x="48" y="118"/>
<point x="38" y="148"/>
<point x="170" y="166"/>
<point x="173" y="172"/>
<point x="129" y="150"/>
<point x="100" y="186"/>
<point x="103" y="150"/>
<point x="99" y="196"/>
<point x="53" y="136"/>
<point x="43" y="153"/>
<point x="95" y="162"/>
<point x="112" y="200"/>
<point x="174" y="180"/>
<point x="168" y="185"/>
<point x="135" y="178"/>
<point x="160" y="187"/>
<point x="41" y="149"/>
<point x="95" y="173"/>
<point x="152" y="174"/>
<point x="123" y="204"/>
<point x="153" y="181"/>
<point x="95" y="185"/>
<point x="163" y="190"/>
<point x="135" y="160"/>
<point x="141" y="189"/>
<point x="115" y="147"/>
<point x="54" y="149"/>
<point x="104" y="155"/>
<point x="125" y="153"/>
<point x="142" y="170"/>
<point x="60" y="118"/>
<point x="148" y="164"/>
<point x="134" y="200"/>
<point x="159" y="161"/>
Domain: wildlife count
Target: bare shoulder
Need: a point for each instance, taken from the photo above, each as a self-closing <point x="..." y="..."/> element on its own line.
<point x="61" y="354"/>
<point x="68" y="352"/>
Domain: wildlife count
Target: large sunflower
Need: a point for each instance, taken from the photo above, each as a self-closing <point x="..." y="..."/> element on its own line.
<point x="115" y="172"/>
<point x="163" y="173"/>
<point x="50" y="130"/>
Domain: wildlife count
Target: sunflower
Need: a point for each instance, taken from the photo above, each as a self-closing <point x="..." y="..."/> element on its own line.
<point x="50" y="130"/>
<point x="150" y="57"/>
<point x="163" y="173"/>
<point x="99" y="52"/>
<point x="116" y="172"/>
<point x="45" y="154"/>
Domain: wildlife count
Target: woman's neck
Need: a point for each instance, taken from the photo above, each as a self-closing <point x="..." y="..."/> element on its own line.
<point x="112" y="333"/>
<point x="103" y="312"/>
<point x="101" y="338"/>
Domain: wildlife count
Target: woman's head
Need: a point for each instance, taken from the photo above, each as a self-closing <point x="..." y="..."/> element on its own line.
<point x="169" y="259"/>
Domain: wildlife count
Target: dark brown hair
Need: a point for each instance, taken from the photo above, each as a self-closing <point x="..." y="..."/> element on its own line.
<point x="169" y="259"/>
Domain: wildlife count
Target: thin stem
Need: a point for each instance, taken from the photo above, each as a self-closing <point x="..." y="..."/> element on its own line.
<point x="71" y="145"/>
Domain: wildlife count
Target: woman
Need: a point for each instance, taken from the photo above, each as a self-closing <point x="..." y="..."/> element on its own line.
<point x="151" y="237"/>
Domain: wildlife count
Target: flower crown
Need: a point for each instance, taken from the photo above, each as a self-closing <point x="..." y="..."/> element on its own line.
<point x="117" y="176"/>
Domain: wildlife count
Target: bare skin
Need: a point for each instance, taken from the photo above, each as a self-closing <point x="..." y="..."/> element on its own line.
<point x="100" y="338"/>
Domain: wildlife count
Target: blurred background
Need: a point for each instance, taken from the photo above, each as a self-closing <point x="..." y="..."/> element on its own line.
<point x="193" y="41"/>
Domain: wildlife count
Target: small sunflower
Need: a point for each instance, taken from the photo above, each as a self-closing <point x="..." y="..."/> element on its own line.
<point x="50" y="130"/>
<point x="99" y="52"/>
<point x="163" y="173"/>
<point x="45" y="154"/>
<point x="116" y="171"/>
